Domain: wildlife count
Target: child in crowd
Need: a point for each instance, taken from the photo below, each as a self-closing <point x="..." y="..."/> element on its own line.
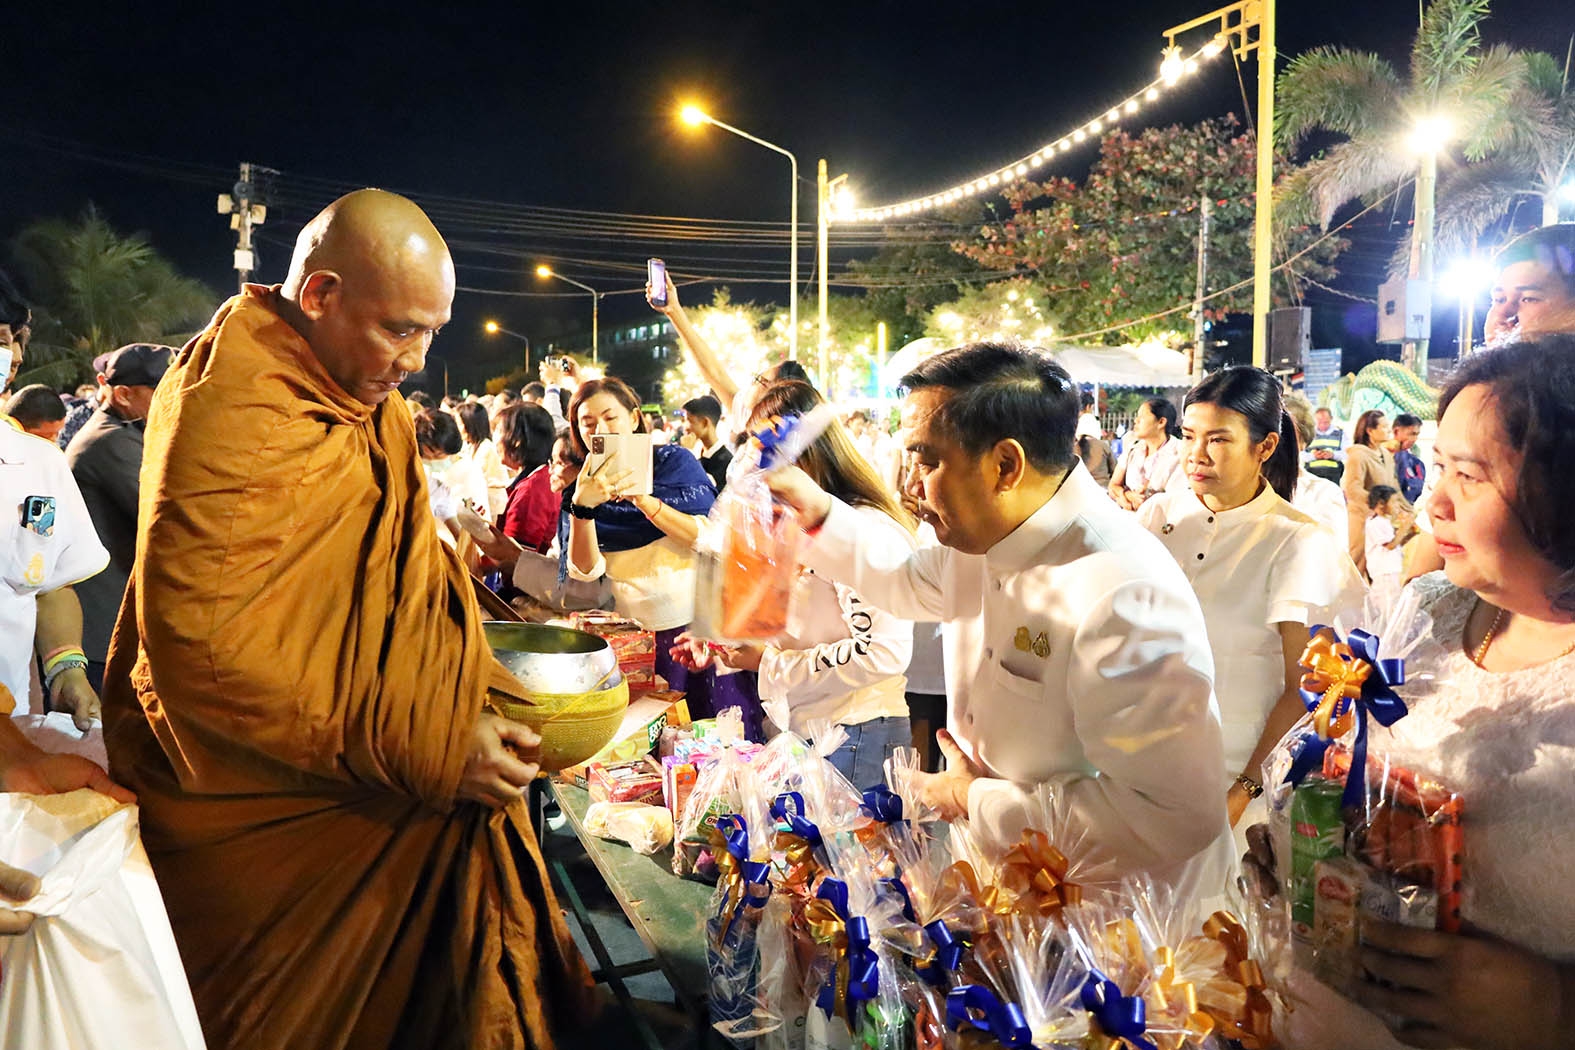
<point x="1389" y="525"/>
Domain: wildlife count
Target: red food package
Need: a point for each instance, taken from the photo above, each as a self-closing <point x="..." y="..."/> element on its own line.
<point x="636" y="781"/>
<point x="1410" y="827"/>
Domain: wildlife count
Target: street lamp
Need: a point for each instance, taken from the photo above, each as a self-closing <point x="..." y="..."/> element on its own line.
<point x="493" y="328"/>
<point x="1235" y="21"/>
<point x="1429" y="136"/>
<point x="1465" y="281"/>
<point x="596" y="298"/>
<point x="694" y="116"/>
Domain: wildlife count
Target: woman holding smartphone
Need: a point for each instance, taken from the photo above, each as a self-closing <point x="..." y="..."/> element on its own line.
<point x="841" y="660"/>
<point x="641" y="543"/>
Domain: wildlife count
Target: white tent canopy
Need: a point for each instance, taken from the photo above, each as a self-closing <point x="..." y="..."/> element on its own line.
<point x="1149" y="365"/>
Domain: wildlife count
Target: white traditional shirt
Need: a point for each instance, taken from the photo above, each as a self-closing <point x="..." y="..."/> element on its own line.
<point x="1252" y="567"/>
<point x="841" y="659"/>
<point x="1323" y="501"/>
<point x="1142" y="471"/>
<point x="37" y="560"/>
<point x="1075" y="660"/>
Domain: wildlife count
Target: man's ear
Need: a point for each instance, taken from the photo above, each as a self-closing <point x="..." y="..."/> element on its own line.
<point x="1010" y="463"/>
<point x="320" y="292"/>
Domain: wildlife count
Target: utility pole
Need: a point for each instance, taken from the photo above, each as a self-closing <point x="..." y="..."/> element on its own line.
<point x="1413" y="352"/>
<point x="1263" y="205"/>
<point x="1199" y="332"/>
<point x="823" y="190"/>
<point x="239" y="204"/>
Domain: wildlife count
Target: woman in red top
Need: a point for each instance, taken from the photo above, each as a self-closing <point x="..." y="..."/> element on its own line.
<point x="523" y="434"/>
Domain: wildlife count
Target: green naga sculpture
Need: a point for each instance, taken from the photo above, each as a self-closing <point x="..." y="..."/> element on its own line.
<point x="1388" y="386"/>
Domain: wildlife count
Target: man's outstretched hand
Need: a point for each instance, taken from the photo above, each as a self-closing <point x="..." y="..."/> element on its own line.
<point x="43" y="773"/>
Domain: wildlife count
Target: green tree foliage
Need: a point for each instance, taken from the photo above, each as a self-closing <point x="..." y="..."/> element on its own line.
<point x="94" y="289"/>
<point x="1123" y="244"/>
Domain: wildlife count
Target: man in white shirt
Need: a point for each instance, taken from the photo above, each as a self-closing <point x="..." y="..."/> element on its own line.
<point x="703" y="415"/>
<point x="1076" y="657"/>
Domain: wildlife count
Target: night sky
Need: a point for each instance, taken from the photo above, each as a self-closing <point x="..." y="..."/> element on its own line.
<point x="571" y="106"/>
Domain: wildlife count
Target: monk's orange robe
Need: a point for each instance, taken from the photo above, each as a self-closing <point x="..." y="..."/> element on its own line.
<point x="292" y="689"/>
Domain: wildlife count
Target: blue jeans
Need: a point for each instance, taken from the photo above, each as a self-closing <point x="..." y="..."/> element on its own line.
<point x="862" y="756"/>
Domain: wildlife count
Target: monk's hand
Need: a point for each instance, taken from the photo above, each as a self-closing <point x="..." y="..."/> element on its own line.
<point x="43" y="773"/>
<point x="503" y="761"/>
<point x="947" y="792"/>
<point x="1463" y="989"/>
<point x="72" y="692"/>
<point x="16" y="886"/>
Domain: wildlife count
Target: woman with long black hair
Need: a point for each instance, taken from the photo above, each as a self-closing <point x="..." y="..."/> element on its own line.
<point x="1263" y="570"/>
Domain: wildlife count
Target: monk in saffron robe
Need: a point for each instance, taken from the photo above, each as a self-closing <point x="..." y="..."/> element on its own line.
<point x="297" y="682"/>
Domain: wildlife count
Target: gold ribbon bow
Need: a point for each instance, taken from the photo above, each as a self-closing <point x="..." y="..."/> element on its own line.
<point x="1173" y="1002"/>
<point x="1034" y="872"/>
<point x="799" y="863"/>
<point x="827" y="927"/>
<point x="1248" y="1020"/>
<point x="1338" y="674"/>
<point x="961" y="879"/>
<point x="730" y="876"/>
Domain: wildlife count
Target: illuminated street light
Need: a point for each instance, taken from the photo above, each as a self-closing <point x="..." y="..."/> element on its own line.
<point x="493" y="328"/>
<point x="693" y="115"/>
<point x="545" y="271"/>
<point x="1430" y="134"/>
<point x="1466" y="277"/>
<point x="1172" y="66"/>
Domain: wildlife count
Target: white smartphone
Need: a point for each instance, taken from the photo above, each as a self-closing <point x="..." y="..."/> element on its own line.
<point x="614" y="454"/>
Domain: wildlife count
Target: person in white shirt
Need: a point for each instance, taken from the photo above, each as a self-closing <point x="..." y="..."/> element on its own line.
<point x="1076" y="659"/>
<point x="1151" y="457"/>
<point x="1389" y="524"/>
<point x="481" y="452"/>
<point x="452" y="482"/>
<point x="841" y="660"/>
<point x="1323" y="500"/>
<point x="1263" y="571"/>
<point x="702" y="416"/>
<point x="1088" y="420"/>
<point x="47" y="543"/>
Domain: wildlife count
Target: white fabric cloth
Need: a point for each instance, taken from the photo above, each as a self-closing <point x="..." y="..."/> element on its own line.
<point x="841" y="659"/>
<point x="32" y="563"/>
<point x="1503" y="740"/>
<point x="1381" y="560"/>
<point x="1115" y="713"/>
<point x="1252" y="567"/>
<point x="1324" y="502"/>
<point x="1139" y="470"/>
<point x="1088" y="424"/>
<point x="463" y="479"/>
<point x="652" y="585"/>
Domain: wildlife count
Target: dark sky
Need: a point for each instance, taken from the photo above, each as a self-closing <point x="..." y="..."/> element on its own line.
<point x="571" y="106"/>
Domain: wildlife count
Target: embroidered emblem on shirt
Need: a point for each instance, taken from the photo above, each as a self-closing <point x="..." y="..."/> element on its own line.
<point x="35" y="571"/>
<point x="1039" y="646"/>
<point x="1167" y="528"/>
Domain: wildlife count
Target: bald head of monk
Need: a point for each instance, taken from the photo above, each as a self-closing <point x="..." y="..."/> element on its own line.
<point x="370" y="284"/>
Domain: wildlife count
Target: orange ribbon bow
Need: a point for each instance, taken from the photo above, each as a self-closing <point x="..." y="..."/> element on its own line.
<point x="1337" y="673"/>
<point x="1034" y="872"/>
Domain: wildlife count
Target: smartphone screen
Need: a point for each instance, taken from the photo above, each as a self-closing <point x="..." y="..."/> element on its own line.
<point x="656" y="274"/>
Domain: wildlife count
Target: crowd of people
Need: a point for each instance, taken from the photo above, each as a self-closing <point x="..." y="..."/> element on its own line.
<point x="260" y="556"/>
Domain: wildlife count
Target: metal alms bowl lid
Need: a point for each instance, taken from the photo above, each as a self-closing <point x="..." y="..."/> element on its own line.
<point x="554" y="660"/>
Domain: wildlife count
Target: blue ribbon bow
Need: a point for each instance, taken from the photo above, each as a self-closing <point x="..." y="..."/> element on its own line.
<point x="1004" y="1021"/>
<point x="1378" y="700"/>
<point x="882" y="804"/>
<point x="756" y="874"/>
<point x="1119" y="1016"/>
<point x="948" y="954"/>
<point x="795" y="817"/>
<point x="863" y="964"/>
<point x="772" y="438"/>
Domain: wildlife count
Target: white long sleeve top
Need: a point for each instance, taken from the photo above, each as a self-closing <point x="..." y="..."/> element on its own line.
<point x="1076" y="658"/>
<point x="841" y="659"/>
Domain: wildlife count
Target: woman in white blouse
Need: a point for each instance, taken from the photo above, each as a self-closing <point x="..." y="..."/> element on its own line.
<point x="1151" y="458"/>
<point x="482" y="453"/>
<point x="1262" y="569"/>
<point x="841" y="660"/>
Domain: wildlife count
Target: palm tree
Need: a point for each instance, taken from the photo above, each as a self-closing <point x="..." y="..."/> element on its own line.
<point x="95" y="289"/>
<point x="1453" y="85"/>
<point x="1536" y="161"/>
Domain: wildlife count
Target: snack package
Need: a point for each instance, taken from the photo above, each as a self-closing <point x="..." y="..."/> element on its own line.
<point x="746" y="562"/>
<point x="1356" y="833"/>
<point x="644" y="827"/>
<point x="636" y="781"/>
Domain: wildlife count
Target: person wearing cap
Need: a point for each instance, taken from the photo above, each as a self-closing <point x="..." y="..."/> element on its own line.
<point x="106" y="458"/>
